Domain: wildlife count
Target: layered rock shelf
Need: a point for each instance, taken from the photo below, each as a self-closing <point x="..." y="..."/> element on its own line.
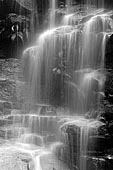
<point x="91" y="142"/>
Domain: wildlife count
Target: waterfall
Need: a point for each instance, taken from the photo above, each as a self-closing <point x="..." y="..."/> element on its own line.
<point x="52" y="13"/>
<point x="37" y="163"/>
<point x="64" y="68"/>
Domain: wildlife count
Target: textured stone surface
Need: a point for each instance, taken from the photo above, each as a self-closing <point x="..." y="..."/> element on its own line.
<point x="11" y="84"/>
<point x="12" y="159"/>
<point x="99" y="163"/>
<point x="16" y="157"/>
<point x="98" y="142"/>
<point x="11" y="95"/>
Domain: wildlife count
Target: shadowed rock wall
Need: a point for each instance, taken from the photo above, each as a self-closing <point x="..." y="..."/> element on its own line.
<point x="10" y="86"/>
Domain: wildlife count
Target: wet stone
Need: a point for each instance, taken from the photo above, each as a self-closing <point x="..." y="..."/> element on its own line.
<point x="98" y="142"/>
<point x="2" y="134"/>
<point x="99" y="163"/>
<point x="10" y="68"/>
<point x="107" y="116"/>
<point x="5" y="107"/>
<point x="51" y="162"/>
<point x="12" y="159"/>
<point x="11" y="85"/>
<point x="5" y="133"/>
<point x="8" y="90"/>
<point x="4" y="122"/>
<point x="109" y="53"/>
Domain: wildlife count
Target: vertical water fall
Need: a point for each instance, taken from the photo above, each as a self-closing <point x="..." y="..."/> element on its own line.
<point x="61" y="123"/>
<point x="52" y="13"/>
<point x="65" y="67"/>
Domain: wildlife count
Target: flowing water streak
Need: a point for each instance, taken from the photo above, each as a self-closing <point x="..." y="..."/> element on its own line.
<point x="93" y="47"/>
<point x="40" y="78"/>
<point x="52" y="13"/>
<point x="77" y="17"/>
<point x="82" y="131"/>
<point x="68" y="19"/>
<point x="37" y="163"/>
<point x="78" y="140"/>
<point x="105" y="37"/>
<point x="90" y="52"/>
<point x="85" y="129"/>
<point x="33" y="129"/>
<point x="98" y="3"/>
<point x="31" y="138"/>
<point x="40" y="66"/>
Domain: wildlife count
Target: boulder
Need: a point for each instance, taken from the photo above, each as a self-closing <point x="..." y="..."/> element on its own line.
<point x="90" y="136"/>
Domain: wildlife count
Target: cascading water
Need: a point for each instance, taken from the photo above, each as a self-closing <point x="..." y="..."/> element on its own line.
<point x="65" y="65"/>
<point x="63" y="69"/>
<point x="52" y="13"/>
<point x="66" y="68"/>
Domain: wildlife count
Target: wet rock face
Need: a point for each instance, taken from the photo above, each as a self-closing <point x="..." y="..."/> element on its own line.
<point x="108" y="53"/>
<point x="96" y="144"/>
<point x="103" y="163"/>
<point x="109" y="67"/>
<point x="10" y="84"/>
<point x="14" y="159"/>
<point x="11" y="96"/>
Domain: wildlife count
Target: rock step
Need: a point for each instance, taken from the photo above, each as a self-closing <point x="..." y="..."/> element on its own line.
<point x="94" y="139"/>
<point x="97" y="163"/>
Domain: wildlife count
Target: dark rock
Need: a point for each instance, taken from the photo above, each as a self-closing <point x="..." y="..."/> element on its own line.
<point x="98" y="138"/>
<point x="103" y="130"/>
<point x="6" y="111"/>
<point x="110" y="128"/>
<point x="11" y="85"/>
<point x="107" y="116"/>
<point x="47" y="110"/>
<point x="109" y="87"/>
<point x="99" y="144"/>
<point x="4" y="122"/>
<point x="2" y="134"/>
<point x="109" y="53"/>
<point x="7" y="105"/>
<point x="98" y="163"/>
<point x="109" y="80"/>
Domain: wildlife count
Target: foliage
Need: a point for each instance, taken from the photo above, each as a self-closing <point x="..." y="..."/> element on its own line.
<point x="14" y="27"/>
